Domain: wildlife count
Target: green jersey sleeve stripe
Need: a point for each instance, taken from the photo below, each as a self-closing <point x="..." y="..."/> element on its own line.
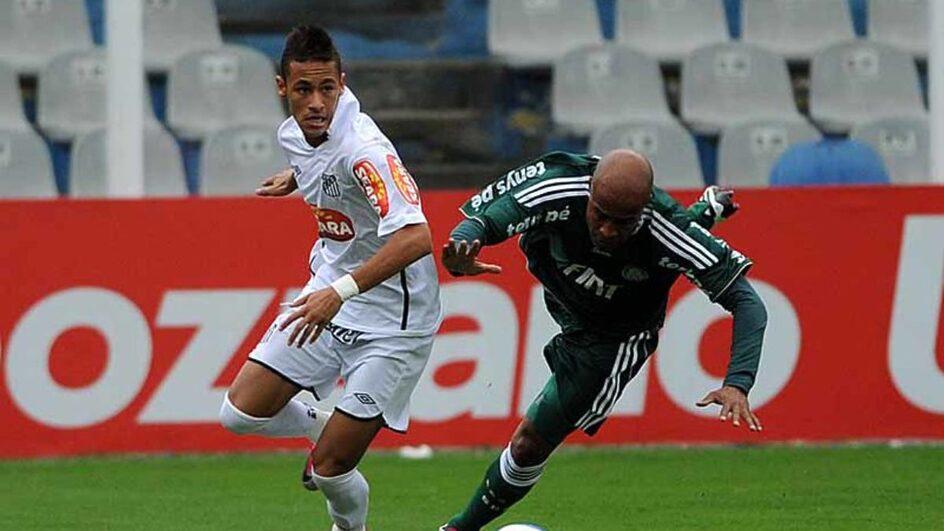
<point x="550" y="183"/>
<point x="685" y="240"/>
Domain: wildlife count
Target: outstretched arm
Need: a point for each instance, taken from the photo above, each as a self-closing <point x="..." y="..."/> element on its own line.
<point x="314" y="311"/>
<point x="750" y="322"/>
<point x="460" y="254"/>
<point x="280" y="184"/>
<point x="715" y="205"/>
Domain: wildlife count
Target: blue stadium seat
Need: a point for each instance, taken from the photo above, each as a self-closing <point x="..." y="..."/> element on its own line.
<point x="829" y="162"/>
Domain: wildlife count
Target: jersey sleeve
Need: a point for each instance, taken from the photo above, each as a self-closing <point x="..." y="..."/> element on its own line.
<point x="537" y="193"/>
<point x="706" y="260"/>
<point x="389" y="189"/>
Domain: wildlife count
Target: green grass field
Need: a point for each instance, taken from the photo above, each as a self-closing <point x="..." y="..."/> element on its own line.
<point x="759" y="488"/>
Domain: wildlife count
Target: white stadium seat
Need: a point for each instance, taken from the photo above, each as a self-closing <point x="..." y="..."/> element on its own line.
<point x="900" y="23"/>
<point x="538" y="32"/>
<point x="904" y="145"/>
<point x="11" y="103"/>
<point x="748" y="151"/>
<point x="25" y="165"/>
<point x="163" y="165"/>
<point x="212" y="90"/>
<point x="234" y="161"/>
<point x="72" y="95"/>
<point x="32" y="32"/>
<point x="729" y="83"/>
<point x="795" y="29"/>
<point x="173" y="28"/>
<point x="601" y="85"/>
<point x="669" y="30"/>
<point x="667" y="145"/>
<point x="861" y="81"/>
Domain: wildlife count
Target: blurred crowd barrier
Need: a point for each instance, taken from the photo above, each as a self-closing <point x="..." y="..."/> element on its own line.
<point x="123" y="322"/>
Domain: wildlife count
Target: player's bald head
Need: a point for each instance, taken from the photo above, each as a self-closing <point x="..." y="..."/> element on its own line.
<point x="622" y="183"/>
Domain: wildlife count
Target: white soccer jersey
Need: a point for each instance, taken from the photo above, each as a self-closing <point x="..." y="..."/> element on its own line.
<point x="360" y="193"/>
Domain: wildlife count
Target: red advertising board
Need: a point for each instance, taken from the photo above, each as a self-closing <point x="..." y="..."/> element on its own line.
<point x="122" y="322"/>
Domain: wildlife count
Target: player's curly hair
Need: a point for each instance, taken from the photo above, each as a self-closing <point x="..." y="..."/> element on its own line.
<point x="308" y="43"/>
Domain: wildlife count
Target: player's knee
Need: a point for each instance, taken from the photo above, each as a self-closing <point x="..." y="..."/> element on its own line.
<point x="237" y="421"/>
<point x="529" y="449"/>
<point x="332" y="465"/>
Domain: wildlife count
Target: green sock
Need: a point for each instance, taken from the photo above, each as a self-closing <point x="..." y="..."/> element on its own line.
<point x="495" y="494"/>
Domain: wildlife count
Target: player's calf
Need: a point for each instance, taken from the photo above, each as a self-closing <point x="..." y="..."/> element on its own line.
<point x="295" y="419"/>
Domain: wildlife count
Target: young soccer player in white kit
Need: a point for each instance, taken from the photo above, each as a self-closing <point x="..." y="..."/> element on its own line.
<point x="372" y="306"/>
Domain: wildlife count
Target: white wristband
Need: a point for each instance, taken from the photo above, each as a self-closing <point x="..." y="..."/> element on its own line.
<point x="346" y="287"/>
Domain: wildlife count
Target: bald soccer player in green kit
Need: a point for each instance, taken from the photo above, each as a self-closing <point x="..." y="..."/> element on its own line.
<point x="607" y="245"/>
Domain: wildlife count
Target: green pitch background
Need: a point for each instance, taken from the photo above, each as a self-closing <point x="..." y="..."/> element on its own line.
<point x="756" y="488"/>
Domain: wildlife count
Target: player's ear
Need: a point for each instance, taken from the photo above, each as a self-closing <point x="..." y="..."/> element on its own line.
<point x="282" y="86"/>
<point x="343" y="81"/>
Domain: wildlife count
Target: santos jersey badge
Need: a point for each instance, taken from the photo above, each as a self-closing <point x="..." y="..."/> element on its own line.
<point x="330" y="186"/>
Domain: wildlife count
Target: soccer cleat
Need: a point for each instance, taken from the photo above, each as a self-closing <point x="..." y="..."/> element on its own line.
<point x="334" y="527"/>
<point x="448" y="527"/>
<point x="308" y="473"/>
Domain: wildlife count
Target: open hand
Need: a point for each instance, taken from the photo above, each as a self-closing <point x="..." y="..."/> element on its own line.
<point x="721" y="203"/>
<point x="734" y="405"/>
<point x="460" y="259"/>
<point x="280" y="184"/>
<point x="313" y="312"/>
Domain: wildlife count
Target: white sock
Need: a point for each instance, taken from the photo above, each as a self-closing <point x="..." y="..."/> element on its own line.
<point x="347" y="498"/>
<point x="296" y="419"/>
<point x="517" y="475"/>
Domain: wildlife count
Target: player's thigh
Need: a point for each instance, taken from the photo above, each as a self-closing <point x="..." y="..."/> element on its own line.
<point x="343" y="443"/>
<point x="276" y="371"/>
<point x="590" y="374"/>
<point x="260" y="392"/>
<point x="381" y="378"/>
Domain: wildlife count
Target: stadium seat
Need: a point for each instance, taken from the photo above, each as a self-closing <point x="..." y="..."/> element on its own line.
<point x="596" y="86"/>
<point x="234" y="161"/>
<point x="72" y="95"/>
<point x="903" y="143"/>
<point x="667" y="145"/>
<point x="900" y="23"/>
<point x="669" y="30"/>
<point x="11" y="103"/>
<point x="212" y="90"/>
<point x="861" y="81"/>
<point x="172" y="29"/>
<point x="748" y="151"/>
<point x="163" y="166"/>
<point x="725" y="84"/>
<point x="25" y="165"/>
<point x="32" y="32"/>
<point x="537" y="32"/>
<point x="795" y="29"/>
<point x="828" y="162"/>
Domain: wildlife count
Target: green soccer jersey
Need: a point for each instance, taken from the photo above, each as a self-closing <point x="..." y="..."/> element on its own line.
<point x="545" y="201"/>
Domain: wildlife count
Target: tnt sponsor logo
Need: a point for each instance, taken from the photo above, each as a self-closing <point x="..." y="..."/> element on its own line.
<point x="403" y="180"/>
<point x="373" y="185"/>
<point x="334" y="225"/>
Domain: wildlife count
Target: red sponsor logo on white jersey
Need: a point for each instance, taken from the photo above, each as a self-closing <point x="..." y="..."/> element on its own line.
<point x="333" y="225"/>
<point x="403" y="180"/>
<point x="372" y="183"/>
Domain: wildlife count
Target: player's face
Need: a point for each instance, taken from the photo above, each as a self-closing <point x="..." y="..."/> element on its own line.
<point x="610" y="231"/>
<point x="312" y="89"/>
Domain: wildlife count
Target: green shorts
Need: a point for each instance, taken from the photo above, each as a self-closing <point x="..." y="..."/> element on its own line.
<point x="589" y="375"/>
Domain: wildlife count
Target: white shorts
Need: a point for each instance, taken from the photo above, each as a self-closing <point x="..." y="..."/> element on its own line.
<point x="379" y="371"/>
